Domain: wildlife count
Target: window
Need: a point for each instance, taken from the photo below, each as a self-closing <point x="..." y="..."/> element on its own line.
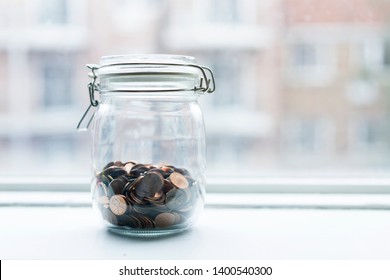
<point x="54" y="12"/>
<point x="224" y="11"/>
<point x="300" y="85"/>
<point x="305" y="55"/>
<point x="226" y="67"/>
<point x="367" y="135"/>
<point x="312" y="63"/>
<point x="373" y="54"/>
<point x="386" y="55"/>
<point x="56" y="77"/>
<point x="308" y="135"/>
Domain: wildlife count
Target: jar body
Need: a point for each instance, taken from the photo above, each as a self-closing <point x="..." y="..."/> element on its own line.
<point x="148" y="160"/>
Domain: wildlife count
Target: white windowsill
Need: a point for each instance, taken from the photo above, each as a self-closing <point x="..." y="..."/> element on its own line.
<point x="48" y="225"/>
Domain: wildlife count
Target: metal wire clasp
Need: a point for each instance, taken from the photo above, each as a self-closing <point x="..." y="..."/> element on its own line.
<point x="206" y="84"/>
<point x="92" y="88"/>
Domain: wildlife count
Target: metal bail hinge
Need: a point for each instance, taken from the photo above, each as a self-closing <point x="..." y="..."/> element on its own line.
<point x="92" y="87"/>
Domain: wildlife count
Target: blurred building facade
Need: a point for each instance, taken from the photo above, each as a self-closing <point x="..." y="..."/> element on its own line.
<point x="297" y="88"/>
<point x="335" y="95"/>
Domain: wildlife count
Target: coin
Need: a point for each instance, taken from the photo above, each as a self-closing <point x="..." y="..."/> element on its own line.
<point x="182" y="171"/>
<point x="114" y="172"/>
<point x="118" y="204"/>
<point x="117" y="186"/>
<point x="150" y="184"/>
<point x="104" y="179"/>
<point x="178" y="180"/>
<point x="128" y="220"/>
<point x="138" y="170"/>
<point x="128" y="166"/>
<point x="118" y="163"/>
<point x="146" y="222"/>
<point x="177" y="198"/>
<point x="165" y="220"/>
<point x="108" y="165"/>
<point x="167" y="169"/>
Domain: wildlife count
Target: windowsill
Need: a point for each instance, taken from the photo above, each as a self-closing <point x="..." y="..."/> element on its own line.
<point x="233" y="226"/>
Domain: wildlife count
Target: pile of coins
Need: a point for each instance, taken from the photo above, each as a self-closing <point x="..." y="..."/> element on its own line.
<point x="144" y="195"/>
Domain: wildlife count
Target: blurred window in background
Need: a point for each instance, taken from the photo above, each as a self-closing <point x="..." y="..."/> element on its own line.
<point x="56" y="76"/>
<point x="302" y="85"/>
<point x="53" y="12"/>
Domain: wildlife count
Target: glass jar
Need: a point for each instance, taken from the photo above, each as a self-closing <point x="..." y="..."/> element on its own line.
<point x="148" y="152"/>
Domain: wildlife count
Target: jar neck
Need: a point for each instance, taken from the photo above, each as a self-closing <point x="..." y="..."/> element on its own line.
<point x="176" y="96"/>
<point x="148" y="83"/>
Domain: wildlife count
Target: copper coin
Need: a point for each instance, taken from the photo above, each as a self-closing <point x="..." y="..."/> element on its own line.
<point x="117" y="186"/>
<point x="127" y="220"/>
<point x="177" y="199"/>
<point x="118" y="163"/>
<point x="165" y="220"/>
<point x="114" y="172"/>
<point x="146" y="221"/>
<point x="150" y="184"/>
<point x="104" y="179"/>
<point x="182" y="171"/>
<point x="108" y="165"/>
<point x="167" y="169"/>
<point x="118" y="204"/>
<point x="167" y="186"/>
<point x="178" y="180"/>
<point x="128" y="166"/>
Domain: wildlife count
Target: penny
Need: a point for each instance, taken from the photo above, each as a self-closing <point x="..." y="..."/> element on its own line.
<point x="150" y="184"/>
<point x="118" y="163"/>
<point x="167" y="186"/>
<point x="167" y="169"/>
<point x="182" y="171"/>
<point x="108" y="165"/>
<point x="157" y="199"/>
<point x="176" y="199"/>
<point x="165" y="220"/>
<point x="158" y="170"/>
<point x="146" y="222"/>
<point x="117" y="186"/>
<point x="128" y="220"/>
<point x="138" y="171"/>
<point x="118" y="204"/>
<point x="128" y="166"/>
<point x="105" y="180"/>
<point x="142" y="209"/>
<point x="178" y="180"/>
<point x="114" y="172"/>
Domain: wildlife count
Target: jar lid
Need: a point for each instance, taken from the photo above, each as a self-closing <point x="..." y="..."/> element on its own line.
<point x="151" y="73"/>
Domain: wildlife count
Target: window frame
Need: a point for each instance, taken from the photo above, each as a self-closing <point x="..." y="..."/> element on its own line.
<point x="273" y="185"/>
